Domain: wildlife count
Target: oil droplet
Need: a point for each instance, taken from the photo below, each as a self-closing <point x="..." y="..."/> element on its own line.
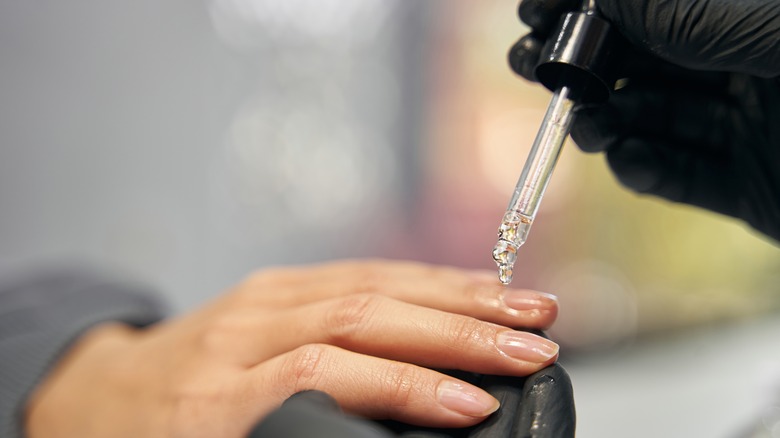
<point x="505" y="253"/>
<point x="505" y="274"/>
<point x="508" y="231"/>
<point x="511" y="235"/>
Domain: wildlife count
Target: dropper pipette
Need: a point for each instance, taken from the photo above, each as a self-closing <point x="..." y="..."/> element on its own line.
<point x="577" y="66"/>
<point x="533" y="181"/>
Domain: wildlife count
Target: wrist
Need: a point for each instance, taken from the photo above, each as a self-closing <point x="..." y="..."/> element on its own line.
<point x="79" y="386"/>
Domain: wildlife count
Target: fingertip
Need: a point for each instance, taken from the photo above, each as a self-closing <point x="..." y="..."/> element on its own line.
<point x="596" y="129"/>
<point x="538" y="309"/>
<point x="543" y="15"/>
<point x="524" y="56"/>
<point x="533" y="351"/>
<point x="531" y="12"/>
<point x="485" y="299"/>
<point x="520" y="299"/>
<point x="465" y="399"/>
<point x="545" y="318"/>
<point x="636" y="164"/>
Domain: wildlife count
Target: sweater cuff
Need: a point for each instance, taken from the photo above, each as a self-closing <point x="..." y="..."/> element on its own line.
<point x="42" y="316"/>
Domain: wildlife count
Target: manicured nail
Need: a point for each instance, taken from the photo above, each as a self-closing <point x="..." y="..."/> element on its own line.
<point x="526" y="300"/>
<point x="526" y="346"/>
<point x="466" y="399"/>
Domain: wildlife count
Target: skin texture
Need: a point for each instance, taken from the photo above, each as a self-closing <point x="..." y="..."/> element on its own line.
<point x="367" y="333"/>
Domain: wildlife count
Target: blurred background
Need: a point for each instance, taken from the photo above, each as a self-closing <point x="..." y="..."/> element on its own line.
<point x="189" y="142"/>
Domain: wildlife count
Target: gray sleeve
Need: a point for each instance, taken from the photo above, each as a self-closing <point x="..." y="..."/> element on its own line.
<point x="41" y="315"/>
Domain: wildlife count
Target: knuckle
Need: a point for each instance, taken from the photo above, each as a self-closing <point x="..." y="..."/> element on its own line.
<point x="275" y="275"/>
<point x="260" y="286"/>
<point x="247" y="291"/>
<point x="305" y="366"/>
<point x="266" y="276"/>
<point x="466" y="331"/>
<point x="218" y="332"/>
<point x="369" y="277"/>
<point x="350" y="315"/>
<point x="260" y="276"/>
<point x="403" y="382"/>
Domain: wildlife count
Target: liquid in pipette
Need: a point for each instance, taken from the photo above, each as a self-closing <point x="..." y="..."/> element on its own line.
<point x="512" y="234"/>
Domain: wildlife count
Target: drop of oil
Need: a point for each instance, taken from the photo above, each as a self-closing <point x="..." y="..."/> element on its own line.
<point x="511" y="235"/>
<point x="505" y="274"/>
<point x="505" y="255"/>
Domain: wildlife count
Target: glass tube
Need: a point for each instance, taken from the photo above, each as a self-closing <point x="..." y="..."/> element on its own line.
<point x="530" y="188"/>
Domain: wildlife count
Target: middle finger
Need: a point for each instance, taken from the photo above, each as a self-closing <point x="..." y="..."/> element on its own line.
<point x="383" y="327"/>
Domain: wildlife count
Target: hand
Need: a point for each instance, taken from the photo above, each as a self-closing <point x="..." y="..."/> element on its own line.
<point x="697" y="121"/>
<point x="364" y="332"/>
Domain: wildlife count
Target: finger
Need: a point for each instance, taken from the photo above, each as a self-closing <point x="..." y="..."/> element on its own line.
<point x="543" y="15"/>
<point x="722" y="35"/>
<point x="368" y="386"/>
<point x="524" y="56"/>
<point x="471" y="293"/>
<point x="598" y="129"/>
<point x="683" y="116"/>
<point x="538" y="406"/>
<point x="547" y="405"/>
<point x="384" y="327"/>
<point x="676" y="173"/>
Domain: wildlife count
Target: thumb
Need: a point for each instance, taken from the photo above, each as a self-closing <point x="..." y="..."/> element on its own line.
<point x="714" y="35"/>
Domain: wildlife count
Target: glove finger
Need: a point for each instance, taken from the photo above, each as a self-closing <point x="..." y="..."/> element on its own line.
<point x="548" y="405"/>
<point x="597" y="129"/>
<point x="543" y="15"/>
<point x="686" y="117"/>
<point x="538" y="406"/>
<point x="524" y="56"/>
<point x="705" y="35"/>
<point x="314" y="413"/>
<point x="653" y="72"/>
<point x="675" y="172"/>
<point x="508" y="391"/>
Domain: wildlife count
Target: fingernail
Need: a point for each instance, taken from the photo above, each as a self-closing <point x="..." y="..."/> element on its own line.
<point x="525" y="300"/>
<point x="465" y="399"/>
<point x="526" y="346"/>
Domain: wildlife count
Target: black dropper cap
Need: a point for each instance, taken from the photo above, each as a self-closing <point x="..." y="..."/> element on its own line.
<point x="581" y="55"/>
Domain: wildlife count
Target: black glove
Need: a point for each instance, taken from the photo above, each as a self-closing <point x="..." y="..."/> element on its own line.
<point x="538" y="406"/>
<point x="699" y="119"/>
<point x="311" y="414"/>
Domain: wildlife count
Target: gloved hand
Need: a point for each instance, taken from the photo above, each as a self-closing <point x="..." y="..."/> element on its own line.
<point x="699" y="119"/>
<point x="538" y="406"/>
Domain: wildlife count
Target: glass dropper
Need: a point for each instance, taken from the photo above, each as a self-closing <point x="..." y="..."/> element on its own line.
<point x="582" y="58"/>
<point x="533" y="181"/>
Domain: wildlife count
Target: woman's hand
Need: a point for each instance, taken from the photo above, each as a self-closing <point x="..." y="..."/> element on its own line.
<point x="364" y="332"/>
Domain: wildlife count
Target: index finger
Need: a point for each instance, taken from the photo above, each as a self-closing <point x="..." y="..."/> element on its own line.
<point x="472" y="293"/>
<point x="543" y="15"/>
